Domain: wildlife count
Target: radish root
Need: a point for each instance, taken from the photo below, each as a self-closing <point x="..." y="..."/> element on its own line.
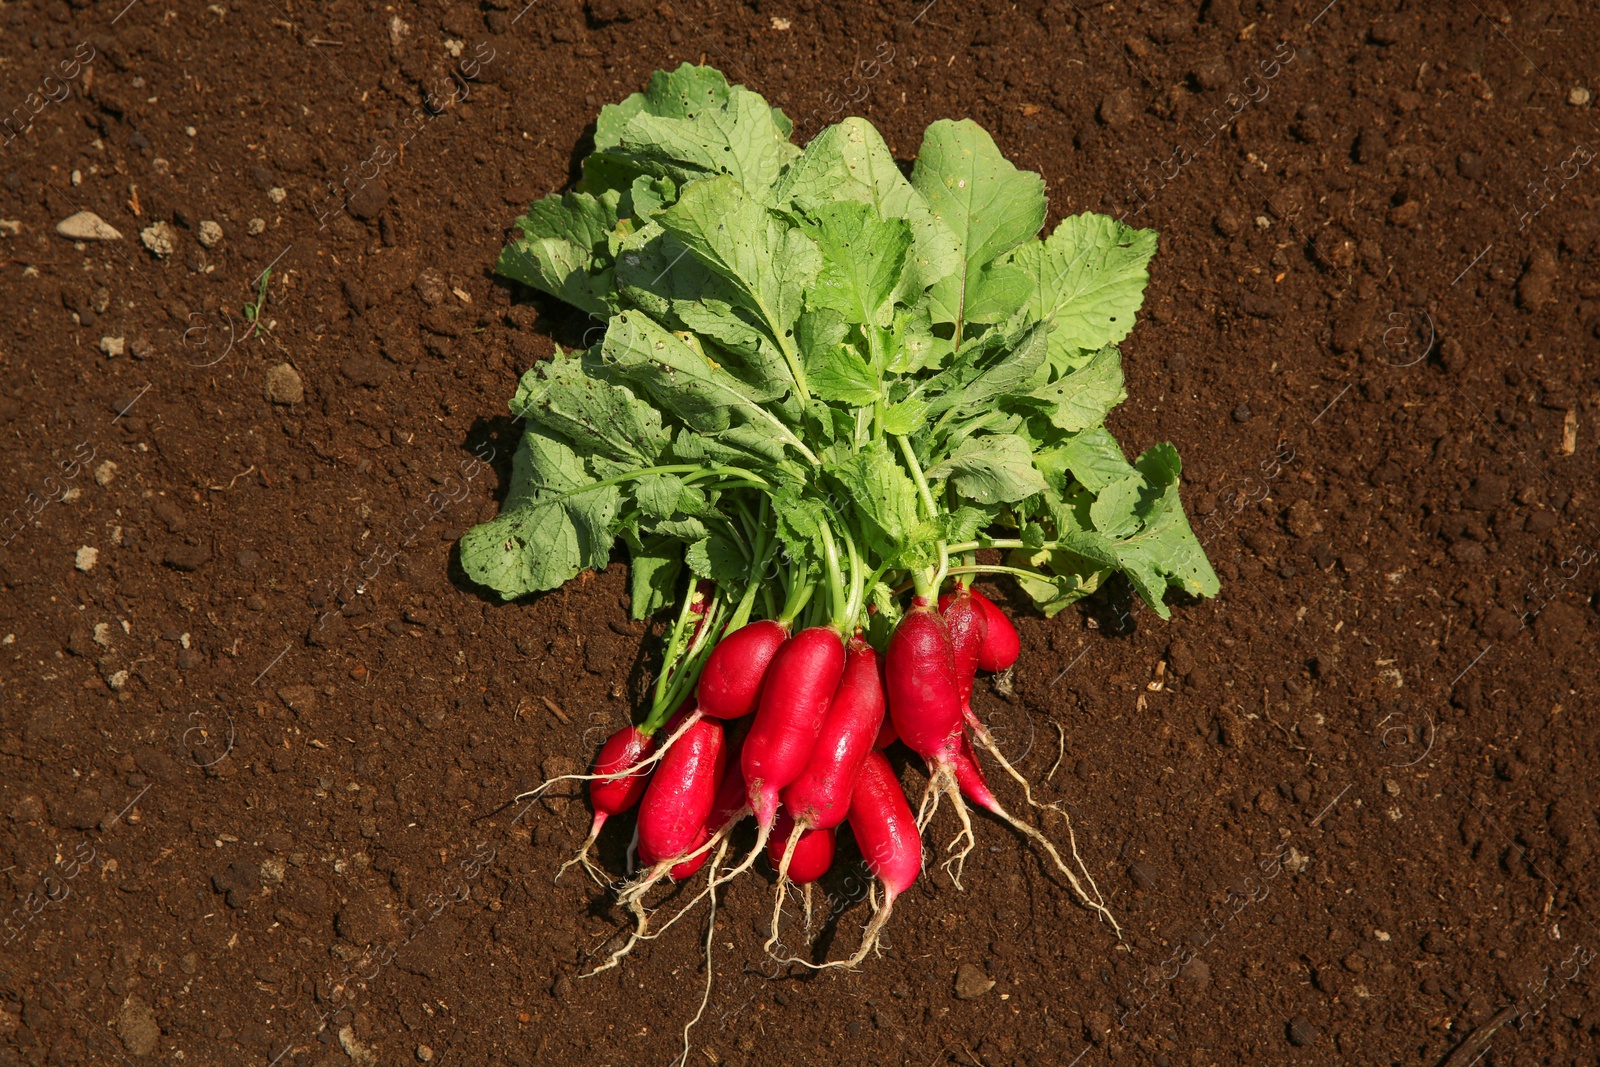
<point x="583" y="854"/>
<point x="870" y="938"/>
<point x="943" y="784"/>
<point x="783" y="889"/>
<point x="980" y="733"/>
<point x="1091" y="897"/>
<point x="711" y="930"/>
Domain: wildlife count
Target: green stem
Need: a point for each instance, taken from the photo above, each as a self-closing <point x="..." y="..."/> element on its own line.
<point x="937" y="579"/>
<point x="669" y="660"/>
<point x="852" y="609"/>
<point x="995" y="568"/>
<point x="763" y="555"/>
<point x="799" y="597"/>
<point x="671" y="468"/>
<point x="838" y="601"/>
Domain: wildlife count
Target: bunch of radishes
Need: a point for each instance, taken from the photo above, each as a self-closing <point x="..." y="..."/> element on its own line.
<point x="822" y="387"/>
<point x="811" y="757"/>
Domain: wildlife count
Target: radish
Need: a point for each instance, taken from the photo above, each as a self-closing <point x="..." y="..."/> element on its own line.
<point x="613" y="796"/>
<point x="889" y="840"/>
<point x="969" y="629"/>
<point x="810" y="857"/>
<point x="920" y="676"/>
<point x="819" y="799"/>
<point x="925" y="703"/>
<point x="795" y="698"/>
<point x="1001" y="644"/>
<point x="680" y="795"/>
<point x="965" y="613"/>
<point x="730" y="684"/>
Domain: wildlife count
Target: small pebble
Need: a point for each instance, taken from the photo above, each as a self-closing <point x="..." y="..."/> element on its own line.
<point x="424" y="1053"/>
<point x="1143" y="875"/>
<point x="87" y="226"/>
<point x="86" y="559"/>
<point x="971" y="983"/>
<point x="112" y="346"/>
<point x="277" y="194"/>
<point x="1263" y="223"/>
<point x="106" y="473"/>
<point x="160" y="237"/>
<point x="210" y="234"/>
<point x="257" y="227"/>
<point x="1241" y="413"/>
<point x="284" y="385"/>
<point x="190" y="131"/>
<point x="1578" y="97"/>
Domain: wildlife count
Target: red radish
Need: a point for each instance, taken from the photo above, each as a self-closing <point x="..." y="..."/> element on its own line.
<point x="1001" y="645"/>
<point x="888" y="838"/>
<point x="969" y="628"/>
<point x="795" y="698"/>
<point x="920" y="675"/>
<point x="613" y="796"/>
<point x="730" y="683"/>
<point x="812" y="855"/>
<point x="673" y="813"/>
<point x="886" y="734"/>
<point x="820" y="798"/>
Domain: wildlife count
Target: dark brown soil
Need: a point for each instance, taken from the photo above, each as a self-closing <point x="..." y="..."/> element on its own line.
<point x="254" y="758"/>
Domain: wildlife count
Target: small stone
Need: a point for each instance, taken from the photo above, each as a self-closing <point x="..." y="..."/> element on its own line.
<point x="86" y="559"/>
<point x="284" y="385"/>
<point x="112" y="346"/>
<point x="10" y="227"/>
<point x="1241" y="413"/>
<point x="1578" y="96"/>
<point x="160" y="237"/>
<point x="1263" y="223"/>
<point x="257" y="227"/>
<point x="210" y="234"/>
<point x="431" y="286"/>
<point x="1301" y="1032"/>
<point x="1371" y="146"/>
<point x="424" y="1054"/>
<point x="971" y="983"/>
<point x="87" y="226"/>
<point x="136" y="1025"/>
<point x="1119" y="108"/>
<point x="277" y="194"/>
<point x="1228" y="222"/>
<point x="187" y="558"/>
<point x="106" y="473"/>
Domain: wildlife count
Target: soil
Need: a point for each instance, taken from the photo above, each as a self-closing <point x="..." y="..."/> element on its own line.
<point x="259" y="732"/>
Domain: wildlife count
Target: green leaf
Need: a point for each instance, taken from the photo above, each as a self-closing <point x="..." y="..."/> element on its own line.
<point x="1084" y="398"/>
<point x="1088" y="278"/>
<point x="552" y="524"/>
<point x="988" y="204"/>
<point x="1165" y="553"/>
<point x="918" y="347"/>
<point x="694" y="129"/>
<point x="991" y="469"/>
<point x="970" y="384"/>
<point x="654" y="564"/>
<point x="682" y="380"/>
<point x="905" y="418"/>
<point x="1115" y="509"/>
<point x="658" y="494"/>
<point x="881" y="491"/>
<point x="717" y="558"/>
<point x="562" y="249"/>
<point x="766" y="264"/>
<point x="863" y="261"/>
<point x="850" y="161"/>
<point x="594" y="415"/>
<point x="1093" y="457"/>
<point x="840" y="375"/>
